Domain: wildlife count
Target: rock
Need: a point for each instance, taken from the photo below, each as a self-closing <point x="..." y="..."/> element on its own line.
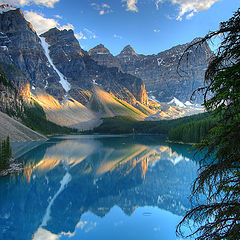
<point x="159" y="72"/>
<point x="25" y="52"/>
<point x="10" y="100"/>
<point x="83" y="72"/>
<point x="103" y="57"/>
<point x="14" y="167"/>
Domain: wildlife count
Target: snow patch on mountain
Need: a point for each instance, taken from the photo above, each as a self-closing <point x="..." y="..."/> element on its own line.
<point x="188" y="103"/>
<point x="65" y="84"/>
<point x="151" y="97"/>
<point x="176" y="102"/>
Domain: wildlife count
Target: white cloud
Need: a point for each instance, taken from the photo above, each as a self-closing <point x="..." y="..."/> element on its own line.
<point x="104" y="5"/>
<point x="80" y="35"/>
<point x="131" y="5"/>
<point x="67" y="27"/>
<point x="39" y="22"/>
<point x="20" y="3"/>
<point x="102" y="8"/>
<point x="90" y="34"/>
<point x="170" y="17"/>
<point x="157" y="3"/>
<point x="156" y="30"/>
<point x="58" y="16"/>
<point x="42" y="24"/>
<point x="189" y="7"/>
<point x="190" y="15"/>
<point x="117" y="36"/>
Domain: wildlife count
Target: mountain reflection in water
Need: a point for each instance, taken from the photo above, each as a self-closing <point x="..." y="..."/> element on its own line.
<point x="70" y="183"/>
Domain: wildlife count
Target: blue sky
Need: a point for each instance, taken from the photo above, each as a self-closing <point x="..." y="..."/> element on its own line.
<point x="149" y="26"/>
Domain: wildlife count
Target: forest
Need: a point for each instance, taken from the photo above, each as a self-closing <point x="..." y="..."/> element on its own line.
<point x="173" y="129"/>
<point x="192" y="132"/>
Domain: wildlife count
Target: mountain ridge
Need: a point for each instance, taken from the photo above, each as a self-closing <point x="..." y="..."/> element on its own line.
<point x="55" y="68"/>
<point x="164" y="75"/>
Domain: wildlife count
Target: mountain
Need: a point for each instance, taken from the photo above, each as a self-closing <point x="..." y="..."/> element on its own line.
<point x="102" y="56"/>
<point x="107" y="105"/>
<point x="11" y="104"/>
<point x="21" y="48"/>
<point x="176" y="102"/>
<point x="55" y="67"/>
<point x="68" y="112"/>
<point x="76" y="88"/>
<point x="160" y="72"/>
<point x="82" y="72"/>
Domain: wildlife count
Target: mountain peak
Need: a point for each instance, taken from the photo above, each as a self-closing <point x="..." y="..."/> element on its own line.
<point x="6" y="8"/>
<point x="99" y="49"/>
<point x="197" y="39"/>
<point x="176" y="102"/>
<point x="128" y="50"/>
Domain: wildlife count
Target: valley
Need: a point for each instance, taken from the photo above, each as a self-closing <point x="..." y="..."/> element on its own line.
<point x="77" y="88"/>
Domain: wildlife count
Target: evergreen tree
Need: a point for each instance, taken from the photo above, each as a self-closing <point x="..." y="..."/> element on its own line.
<point x="218" y="217"/>
<point x="8" y="148"/>
<point x="5" y="154"/>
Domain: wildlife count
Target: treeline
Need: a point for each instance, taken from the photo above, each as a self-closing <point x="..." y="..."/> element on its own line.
<point x="5" y="154"/>
<point x="128" y="125"/>
<point x="192" y="132"/>
<point x="34" y="117"/>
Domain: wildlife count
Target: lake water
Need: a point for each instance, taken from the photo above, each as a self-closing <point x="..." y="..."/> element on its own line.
<point x="98" y="187"/>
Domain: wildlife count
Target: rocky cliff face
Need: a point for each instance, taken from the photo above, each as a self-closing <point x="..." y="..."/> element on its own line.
<point x="55" y="63"/>
<point x="12" y="97"/>
<point x="20" y="47"/>
<point x="10" y="102"/>
<point x="103" y="57"/>
<point x="67" y="55"/>
<point x="61" y="62"/>
<point x="159" y="72"/>
<point x="83" y="72"/>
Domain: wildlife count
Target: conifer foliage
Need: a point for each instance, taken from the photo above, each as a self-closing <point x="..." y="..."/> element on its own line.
<point x="5" y="154"/>
<point x="217" y="215"/>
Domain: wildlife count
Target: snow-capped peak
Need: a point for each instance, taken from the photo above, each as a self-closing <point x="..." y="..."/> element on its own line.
<point x="188" y="103"/>
<point x="6" y="8"/>
<point x="177" y="102"/>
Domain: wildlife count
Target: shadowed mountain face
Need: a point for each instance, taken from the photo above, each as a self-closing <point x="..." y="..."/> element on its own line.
<point x="59" y="73"/>
<point x="159" y="72"/>
<point x="66" y="178"/>
<point x="83" y="72"/>
<point x="103" y="56"/>
<point x="22" y="48"/>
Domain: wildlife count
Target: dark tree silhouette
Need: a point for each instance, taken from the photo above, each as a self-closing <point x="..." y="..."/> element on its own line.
<point x="5" y="153"/>
<point x="215" y="195"/>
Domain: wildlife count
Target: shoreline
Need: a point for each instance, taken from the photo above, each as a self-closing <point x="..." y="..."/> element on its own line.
<point x="14" y="167"/>
<point x="19" y="148"/>
<point x="169" y="141"/>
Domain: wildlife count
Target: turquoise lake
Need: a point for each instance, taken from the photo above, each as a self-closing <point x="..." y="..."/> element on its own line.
<point x="98" y="187"/>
